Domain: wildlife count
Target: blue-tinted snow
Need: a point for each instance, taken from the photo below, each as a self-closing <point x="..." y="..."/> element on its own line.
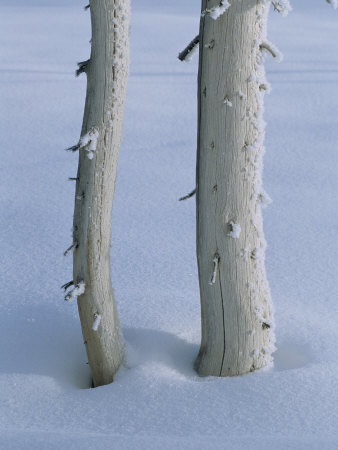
<point x="158" y="401"/>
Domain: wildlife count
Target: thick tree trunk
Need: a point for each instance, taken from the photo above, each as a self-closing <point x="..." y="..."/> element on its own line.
<point x="107" y="72"/>
<point x="237" y="334"/>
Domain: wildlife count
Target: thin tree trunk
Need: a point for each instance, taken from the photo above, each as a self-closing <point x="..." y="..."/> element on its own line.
<point x="107" y="72"/>
<point x="237" y="334"/>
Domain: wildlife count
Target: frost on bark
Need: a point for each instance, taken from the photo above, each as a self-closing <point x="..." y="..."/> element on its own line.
<point x="107" y="71"/>
<point x="237" y="324"/>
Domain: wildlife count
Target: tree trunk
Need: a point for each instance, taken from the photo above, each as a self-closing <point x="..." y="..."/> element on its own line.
<point x="107" y="72"/>
<point x="237" y="334"/>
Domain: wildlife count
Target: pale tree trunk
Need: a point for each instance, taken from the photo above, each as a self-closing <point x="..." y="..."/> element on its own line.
<point x="237" y="328"/>
<point x="107" y="72"/>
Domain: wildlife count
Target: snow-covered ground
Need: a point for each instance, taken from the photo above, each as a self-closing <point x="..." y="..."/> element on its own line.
<point x="157" y="401"/>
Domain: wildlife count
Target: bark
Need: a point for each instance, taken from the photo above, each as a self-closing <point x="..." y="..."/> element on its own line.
<point x="107" y="72"/>
<point x="237" y="335"/>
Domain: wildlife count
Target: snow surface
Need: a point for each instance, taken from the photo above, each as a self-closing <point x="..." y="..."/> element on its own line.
<point x="157" y="401"/>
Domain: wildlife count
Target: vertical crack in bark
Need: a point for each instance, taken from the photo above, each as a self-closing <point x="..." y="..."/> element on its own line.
<point x="220" y="281"/>
<point x="223" y="357"/>
<point x="220" y="285"/>
<point x="238" y="307"/>
<point x="199" y="114"/>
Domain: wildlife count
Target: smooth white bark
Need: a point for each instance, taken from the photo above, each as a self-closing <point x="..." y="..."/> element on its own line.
<point x="237" y="327"/>
<point x="107" y="73"/>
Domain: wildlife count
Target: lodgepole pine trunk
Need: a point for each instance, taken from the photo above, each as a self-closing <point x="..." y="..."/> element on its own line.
<point x="237" y="334"/>
<point x="107" y="72"/>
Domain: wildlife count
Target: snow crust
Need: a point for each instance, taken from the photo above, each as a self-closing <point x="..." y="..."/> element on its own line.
<point x="334" y="3"/>
<point x="78" y="290"/>
<point x="88" y="142"/>
<point x="283" y="6"/>
<point x="214" y="273"/>
<point x="227" y="102"/>
<point x="97" y="321"/>
<point x="157" y="400"/>
<point x="217" y="11"/>
<point x="192" y="53"/>
<point x="235" y="230"/>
